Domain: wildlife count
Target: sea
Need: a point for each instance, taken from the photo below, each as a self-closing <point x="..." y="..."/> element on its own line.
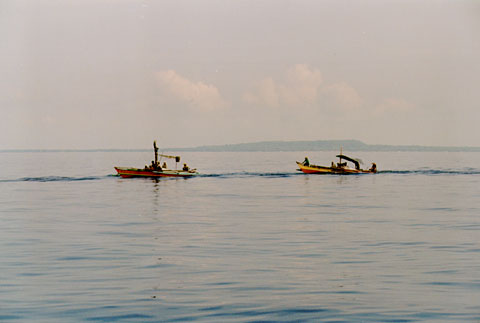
<point x="250" y="239"/>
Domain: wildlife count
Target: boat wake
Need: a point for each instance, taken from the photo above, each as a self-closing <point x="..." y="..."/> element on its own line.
<point x="53" y="179"/>
<point x="468" y="171"/>
<point x="252" y="174"/>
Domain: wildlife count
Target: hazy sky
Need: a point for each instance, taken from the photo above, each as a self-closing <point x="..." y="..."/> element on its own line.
<point x="118" y="74"/>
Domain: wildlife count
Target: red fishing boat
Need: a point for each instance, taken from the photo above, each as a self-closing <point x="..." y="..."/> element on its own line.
<point x="155" y="170"/>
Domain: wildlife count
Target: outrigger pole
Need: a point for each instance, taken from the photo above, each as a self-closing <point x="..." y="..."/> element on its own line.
<point x="177" y="158"/>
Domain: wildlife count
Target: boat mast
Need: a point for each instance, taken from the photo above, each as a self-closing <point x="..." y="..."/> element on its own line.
<point x="155" y="148"/>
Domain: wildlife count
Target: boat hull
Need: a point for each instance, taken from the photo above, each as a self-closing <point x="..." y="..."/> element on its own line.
<point x="314" y="169"/>
<point x="127" y="172"/>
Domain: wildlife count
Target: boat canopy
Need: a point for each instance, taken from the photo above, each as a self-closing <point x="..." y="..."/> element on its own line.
<point x="357" y="162"/>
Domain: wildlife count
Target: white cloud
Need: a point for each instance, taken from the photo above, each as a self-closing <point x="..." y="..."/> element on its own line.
<point x="344" y="95"/>
<point x="303" y="87"/>
<point x="204" y="97"/>
<point x="300" y="87"/>
<point x="302" y="74"/>
<point x="393" y="105"/>
<point x="264" y="93"/>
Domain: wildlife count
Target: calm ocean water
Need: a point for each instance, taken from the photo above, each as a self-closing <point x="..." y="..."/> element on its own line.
<point x="251" y="240"/>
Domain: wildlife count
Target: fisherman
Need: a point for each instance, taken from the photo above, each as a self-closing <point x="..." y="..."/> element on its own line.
<point x="185" y="167"/>
<point x="306" y="162"/>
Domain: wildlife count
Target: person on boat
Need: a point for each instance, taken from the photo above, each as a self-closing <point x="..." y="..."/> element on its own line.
<point x="373" y="168"/>
<point x="155" y="166"/>
<point x="306" y="162"/>
<point x="341" y="165"/>
<point x="332" y="165"/>
<point x="164" y="165"/>
<point x="185" y="167"/>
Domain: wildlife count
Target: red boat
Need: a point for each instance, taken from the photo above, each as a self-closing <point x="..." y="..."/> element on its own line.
<point x="155" y="170"/>
<point x="141" y="172"/>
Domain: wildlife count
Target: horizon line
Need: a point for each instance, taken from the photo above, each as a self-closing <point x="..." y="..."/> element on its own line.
<point x="371" y="146"/>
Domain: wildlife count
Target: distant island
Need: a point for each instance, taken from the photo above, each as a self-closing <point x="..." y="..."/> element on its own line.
<point x="320" y="145"/>
<point x="312" y="145"/>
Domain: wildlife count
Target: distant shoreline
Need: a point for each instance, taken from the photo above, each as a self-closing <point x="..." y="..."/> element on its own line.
<point x="274" y="146"/>
<point x="322" y="145"/>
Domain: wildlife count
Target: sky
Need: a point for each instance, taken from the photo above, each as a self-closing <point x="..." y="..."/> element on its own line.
<point x="96" y="74"/>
